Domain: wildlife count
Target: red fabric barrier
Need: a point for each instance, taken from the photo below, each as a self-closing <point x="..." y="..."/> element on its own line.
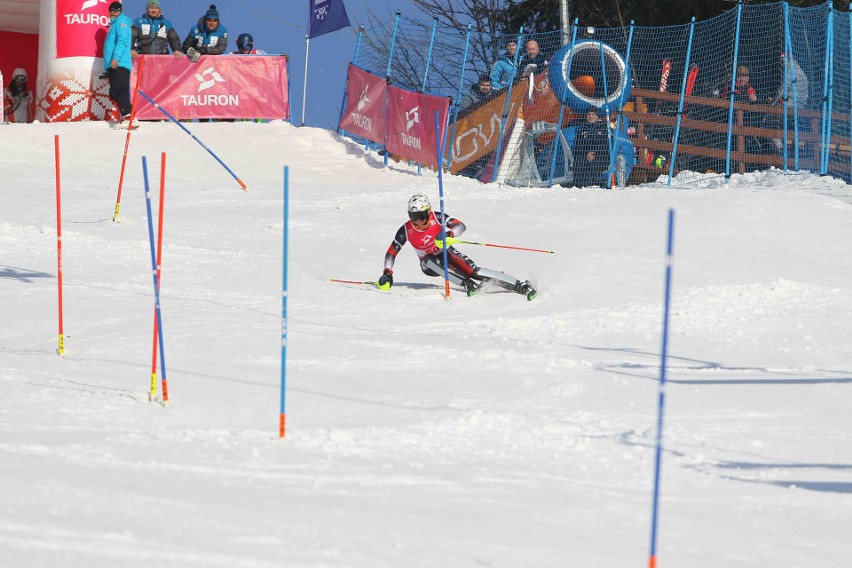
<point x="364" y="114"/>
<point x="411" y="124"/>
<point x="223" y="86"/>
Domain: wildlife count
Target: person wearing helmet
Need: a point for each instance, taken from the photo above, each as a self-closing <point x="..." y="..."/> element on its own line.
<point x="18" y="104"/>
<point x="423" y="230"/>
<point x="245" y="46"/>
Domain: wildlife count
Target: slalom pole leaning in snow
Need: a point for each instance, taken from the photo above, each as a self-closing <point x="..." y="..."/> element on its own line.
<point x="61" y="349"/>
<point x="154" y="273"/>
<point x="185" y="129"/>
<point x="461" y="242"/>
<point x="153" y="393"/>
<point x="366" y="282"/>
<point x="282" y="421"/>
<point x="127" y="139"/>
<point x="662" y="392"/>
<point x="440" y="166"/>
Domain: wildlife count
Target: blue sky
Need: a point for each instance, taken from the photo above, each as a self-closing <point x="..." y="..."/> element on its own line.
<point x="278" y="26"/>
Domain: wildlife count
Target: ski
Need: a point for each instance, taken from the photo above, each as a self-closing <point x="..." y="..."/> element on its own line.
<point x="664" y="81"/>
<point x="691" y="77"/>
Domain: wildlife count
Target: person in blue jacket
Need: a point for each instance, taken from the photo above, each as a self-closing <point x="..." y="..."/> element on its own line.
<point x="207" y="37"/>
<point x="503" y="71"/>
<point x="117" y="63"/>
<point x="153" y="34"/>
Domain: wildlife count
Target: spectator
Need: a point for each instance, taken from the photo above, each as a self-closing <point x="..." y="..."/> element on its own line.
<point x="207" y="37"/>
<point x="245" y="46"/>
<point x="796" y="80"/>
<point x="533" y="56"/>
<point x="479" y="91"/>
<point x="152" y="34"/>
<point x="591" y="151"/>
<point x="743" y="91"/>
<point x="503" y="71"/>
<point x="117" y="62"/>
<point x="18" y="103"/>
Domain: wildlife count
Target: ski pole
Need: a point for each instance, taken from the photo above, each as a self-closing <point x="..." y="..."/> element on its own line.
<point x="185" y="129"/>
<point x="454" y="241"/>
<point x="369" y="282"/>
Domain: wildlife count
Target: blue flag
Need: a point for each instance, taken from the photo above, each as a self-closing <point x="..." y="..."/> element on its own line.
<point x="326" y="16"/>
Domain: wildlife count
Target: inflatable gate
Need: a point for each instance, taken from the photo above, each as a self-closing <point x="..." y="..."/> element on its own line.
<point x="60" y="45"/>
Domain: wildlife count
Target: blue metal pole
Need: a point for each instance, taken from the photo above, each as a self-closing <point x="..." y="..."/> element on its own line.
<point x="426" y="74"/>
<point x="345" y="85"/>
<point x="388" y="72"/>
<point x="443" y="216"/>
<point x="185" y="129"/>
<point x="429" y="54"/>
<point x="661" y="401"/>
<point x="458" y="98"/>
<point x="282" y="422"/>
<point x="609" y="134"/>
<point x="850" y="78"/>
<point x="829" y="98"/>
<point x="785" y="92"/>
<point x="680" y="104"/>
<point x="154" y="273"/>
<point x="731" y="93"/>
<point x="506" y="105"/>
<point x="561" y="115"/>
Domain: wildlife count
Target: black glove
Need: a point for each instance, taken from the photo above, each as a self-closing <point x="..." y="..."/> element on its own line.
<point x="386" y="280"/>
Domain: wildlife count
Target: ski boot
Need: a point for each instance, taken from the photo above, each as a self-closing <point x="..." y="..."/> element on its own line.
<point x="471" y="286"/>
<point x="525" y="289"/>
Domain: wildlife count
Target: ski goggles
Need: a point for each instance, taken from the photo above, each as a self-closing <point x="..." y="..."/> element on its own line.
<point x="20" y="78"/>
<point x="418" y="216"/>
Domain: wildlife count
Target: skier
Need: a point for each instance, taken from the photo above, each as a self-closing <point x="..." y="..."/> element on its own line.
<point x="423" y="231"/>
<point x="245" y="46"/>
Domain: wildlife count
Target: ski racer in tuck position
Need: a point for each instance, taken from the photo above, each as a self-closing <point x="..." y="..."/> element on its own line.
<point x="423" y="231"/>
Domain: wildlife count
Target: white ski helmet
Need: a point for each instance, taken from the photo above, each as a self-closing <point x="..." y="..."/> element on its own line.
<point x="419" y="210"/>
<point x="419" y="202"/>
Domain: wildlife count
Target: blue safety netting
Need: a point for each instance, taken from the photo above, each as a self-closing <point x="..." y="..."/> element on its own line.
<point x="758" y="87"/>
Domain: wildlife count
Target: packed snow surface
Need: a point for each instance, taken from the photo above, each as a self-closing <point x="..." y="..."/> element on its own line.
<point x="421" y="432"/>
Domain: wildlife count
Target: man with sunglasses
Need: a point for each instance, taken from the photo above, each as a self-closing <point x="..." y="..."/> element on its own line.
<point x="423" y="231"/>
<point x="207" y="37"/>
<point x="18" y="105"/>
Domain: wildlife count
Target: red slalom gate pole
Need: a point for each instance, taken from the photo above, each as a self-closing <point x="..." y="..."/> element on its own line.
<point x="153" y="393"/>
<point x="61" y="349"/>
<point x="127" y="140"/>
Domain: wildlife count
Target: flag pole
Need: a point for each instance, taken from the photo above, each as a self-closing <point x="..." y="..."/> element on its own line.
<point x="305" y="84"/>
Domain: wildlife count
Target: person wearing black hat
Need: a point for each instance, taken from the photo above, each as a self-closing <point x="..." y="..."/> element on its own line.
<point x="207" y="37"/>
<point x="117" y="62"/>
<point x="479" y="91"/>
<point x="153" y="34"/>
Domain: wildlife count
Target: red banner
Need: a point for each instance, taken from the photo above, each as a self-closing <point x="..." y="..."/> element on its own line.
<point x="364" y="114"/>
<point x="217" y="86"/>
<point x="81" y="27"/>
<point x="411" y="124"/>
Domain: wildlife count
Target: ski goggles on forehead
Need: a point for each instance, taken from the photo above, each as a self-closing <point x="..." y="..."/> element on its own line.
<point x="418" y="216"/>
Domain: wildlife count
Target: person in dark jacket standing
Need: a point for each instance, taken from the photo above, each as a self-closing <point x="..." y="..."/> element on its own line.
<point x="207" y="37"/>
<point x="117" y="62"/>
<point x="153" y="34"/>
<point x="591" y="151"/>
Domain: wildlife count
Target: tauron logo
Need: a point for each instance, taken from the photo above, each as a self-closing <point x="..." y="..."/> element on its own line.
<point x="412" y="117"/>
<point x="92" y="3"/>
<point x="207" y="83"/>
<point x="363" y="100"/>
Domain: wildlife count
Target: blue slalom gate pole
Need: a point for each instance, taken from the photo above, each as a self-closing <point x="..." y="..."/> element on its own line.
<point x="662" y="396"/>
<point x="185" y="129"/>
<point x="156" y="279"/>
<point x="282" y="422"/>
<point x="388" y="72"/>
<point x="440" y="150"/>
